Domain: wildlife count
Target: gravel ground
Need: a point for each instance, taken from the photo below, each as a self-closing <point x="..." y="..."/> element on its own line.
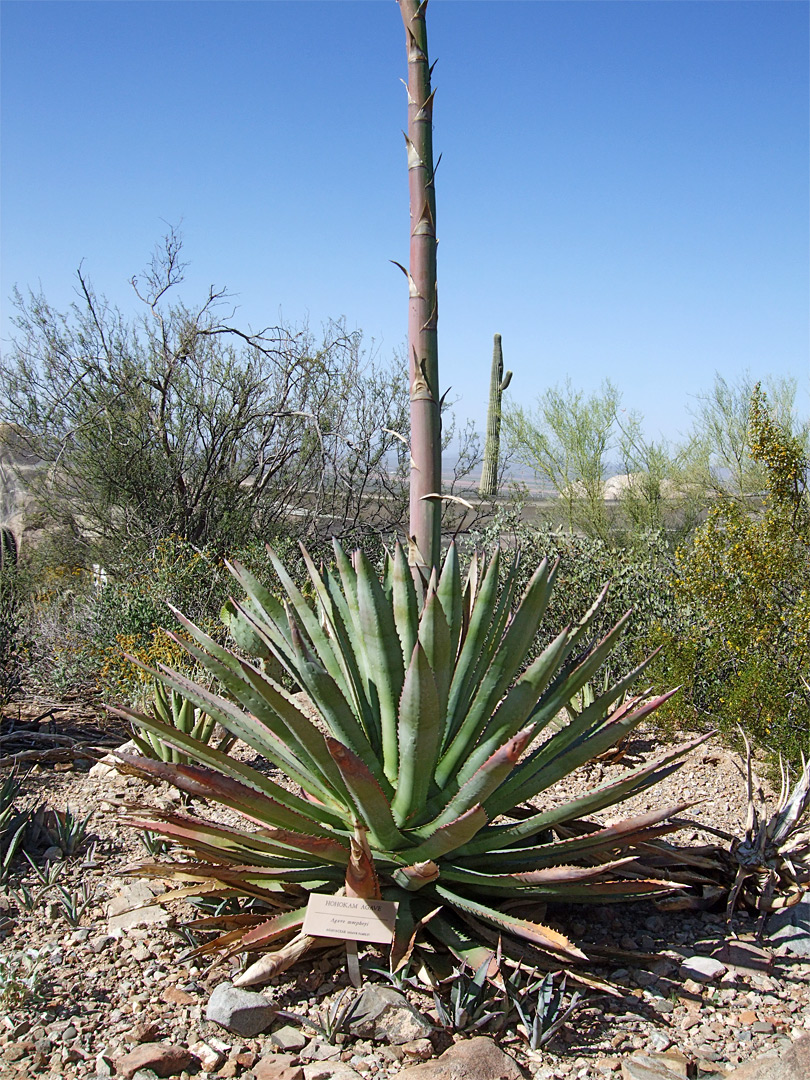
<point x="103" y="991"/>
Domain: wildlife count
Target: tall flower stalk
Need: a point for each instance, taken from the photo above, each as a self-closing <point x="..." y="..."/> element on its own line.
<point x="423" y="353"/>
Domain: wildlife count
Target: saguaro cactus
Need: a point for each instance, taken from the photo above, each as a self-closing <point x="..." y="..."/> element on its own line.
<point x="423" y="353"/>
<point x="497" y="384"/>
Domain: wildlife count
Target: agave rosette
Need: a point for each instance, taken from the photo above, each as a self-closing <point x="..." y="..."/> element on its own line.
<point x="418" y="779"/>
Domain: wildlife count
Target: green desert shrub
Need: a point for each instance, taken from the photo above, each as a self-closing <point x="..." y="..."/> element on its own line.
<point x="742" y="585"/>
<point x="639" y="573"/>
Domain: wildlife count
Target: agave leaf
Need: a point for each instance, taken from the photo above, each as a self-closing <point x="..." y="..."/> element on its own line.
<point x="274" y="726"/>
<point x="593" y="844"/>
<point x="451" y="836"/>
<point x="368" y="797"/>
<point x="383" y="658"/>
<point x="482" y="783"/>
<point x="260" y="737"/>
<point x="501" y="672"/>
<point x="309" y="622"/>
<point x="266" y="843"/>
<point x="516" y="707"/>
<point x="232" y="767"/>
<point x="406" y="612"/>
<point x="435" y="639"/>
<point x="419" y="735"/>
<point x="570" y="682"/>
<point x="335" y="710"/>
<point x="211" y="784"/>
<point x="540" y="935"/>
<point x="451" y="597"/>
<point x="266" y="703"/>
<point x="417" y="875"/>
<point x="342" y="630"/>
<point x="607" y="794"/>
<point x="477" y="646"/>
<point x="271" y="964"/>
<point x="469" y="952"/>
<point x="361" y="877"/>
<point x="271" y="930"/>
<point x="537" y="882"/>
<point x="545" y="766"/>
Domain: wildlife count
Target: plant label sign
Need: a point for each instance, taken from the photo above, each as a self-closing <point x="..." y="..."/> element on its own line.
<point x="350" y="918"/>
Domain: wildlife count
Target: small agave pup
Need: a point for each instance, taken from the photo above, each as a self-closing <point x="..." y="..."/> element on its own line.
<point x="416" y="781"/>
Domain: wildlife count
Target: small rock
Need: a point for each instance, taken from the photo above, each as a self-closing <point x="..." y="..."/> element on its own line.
<point x="146" y="1032"/>
<point x="163" y="1059"/>
<point x="608" y="1064"/>
<point x="104" y="1066"/>
<point x="244" y="1012"/>
<point x="134" y="906"/>
<point x="421" y="1049"/>
<point x="702" y="969"/>
<point x="791" y="927"/>
<point x="384" y="1014"/>
<point x="473" y="1059"/>
<point x="659" y="1042"/>
<point x="53" y="854"/>
<point x="173" y="995"/>
<point x="320" y="1051"/>
<point x="18" y="1051"/>
<point x="762" y="1027"/>
<point x="209" y="1058"/>
<point x="278" y="1067"/>
<point x="330" y="1070"/>
<point x="744" y="957"/>
<point x="288" y="1038"/>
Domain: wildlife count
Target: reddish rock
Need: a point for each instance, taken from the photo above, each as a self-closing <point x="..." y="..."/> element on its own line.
<point x="472" y="1059"/>
<point x="164" y="1059"/>
<point x="173" y="995"/>
<point x="145" y="1032"/>
<point x="278" y="1067"/>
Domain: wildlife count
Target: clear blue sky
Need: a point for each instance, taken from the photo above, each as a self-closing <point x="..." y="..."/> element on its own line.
<point x="623" y="191"/>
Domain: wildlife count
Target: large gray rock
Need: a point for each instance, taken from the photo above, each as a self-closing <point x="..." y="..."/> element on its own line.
<point x="702" y="969"/>
<point x="793" y="1065"/>
<point x="385" y="1015"/>
<point x="134" y="906"/>
<point x="472" y="1059"/>
<point x="244" y="1012"/>
<point x="791" y="927"/>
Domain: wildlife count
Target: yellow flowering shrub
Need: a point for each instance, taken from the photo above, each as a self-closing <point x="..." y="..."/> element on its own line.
<point x="744" y="582"/>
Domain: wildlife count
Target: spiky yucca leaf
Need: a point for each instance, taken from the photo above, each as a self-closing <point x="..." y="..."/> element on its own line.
<point x="429" y="742"/>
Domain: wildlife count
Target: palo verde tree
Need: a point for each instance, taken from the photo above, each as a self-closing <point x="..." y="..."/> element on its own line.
<point x="423" y="352"/>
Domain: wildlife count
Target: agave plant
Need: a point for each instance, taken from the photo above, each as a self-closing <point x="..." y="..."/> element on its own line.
<point x="417" y="779"/>
<point x="772" y="861"/>
<point x="171" y="707"/>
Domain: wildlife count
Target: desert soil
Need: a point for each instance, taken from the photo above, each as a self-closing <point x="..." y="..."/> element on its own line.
<point x="104" y="991"/>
